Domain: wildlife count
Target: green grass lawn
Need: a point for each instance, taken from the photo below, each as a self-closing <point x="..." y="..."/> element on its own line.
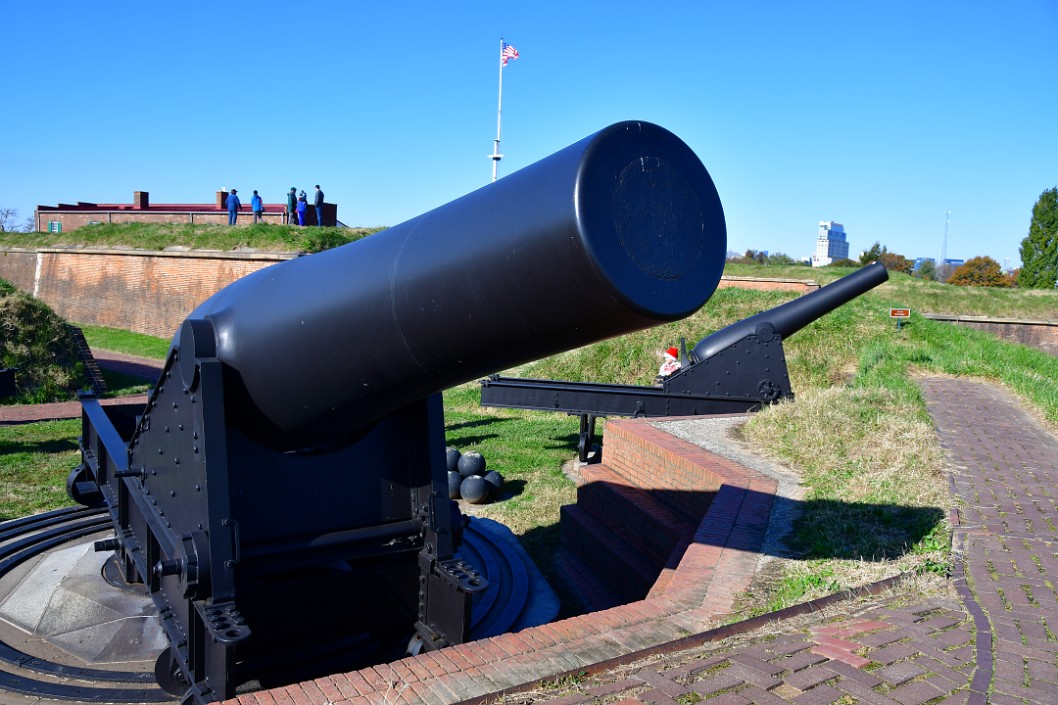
<point x="127" y="342"/>
<point x="34" y="462"/>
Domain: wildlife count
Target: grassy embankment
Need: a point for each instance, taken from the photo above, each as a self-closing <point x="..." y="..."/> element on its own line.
<point x="874" y="494"/>
<point x="159" y="236"/>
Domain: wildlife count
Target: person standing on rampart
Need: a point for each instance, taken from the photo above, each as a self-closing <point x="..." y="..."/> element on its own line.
<point x="319" y="206"/>
<point x="292" y="206"/>
<point x="257" y="206"/>
<point x="303" y="204"/>
<point x="233" y="207"/>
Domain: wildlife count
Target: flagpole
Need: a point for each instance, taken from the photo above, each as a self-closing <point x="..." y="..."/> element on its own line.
<point x="496" y="156"/>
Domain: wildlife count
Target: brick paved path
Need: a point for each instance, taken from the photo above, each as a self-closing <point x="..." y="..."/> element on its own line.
<point x="1005" y="482"/>
<point x="998" y="644"/>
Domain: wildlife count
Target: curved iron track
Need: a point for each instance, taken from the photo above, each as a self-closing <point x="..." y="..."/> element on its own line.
<point x="33" y="676"/>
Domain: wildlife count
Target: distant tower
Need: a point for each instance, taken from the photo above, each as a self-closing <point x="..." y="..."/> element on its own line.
<point x="830" y="244"/>
<point x="944" y="244"/>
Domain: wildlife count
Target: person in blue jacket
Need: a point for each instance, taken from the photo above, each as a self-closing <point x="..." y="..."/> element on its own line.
<point x="233" y="207"/>
<point x="257" y="206"/>
<point x="303" y="203"/>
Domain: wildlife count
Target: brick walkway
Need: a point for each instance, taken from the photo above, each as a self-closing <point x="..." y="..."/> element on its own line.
<point x="1005" y="483"/>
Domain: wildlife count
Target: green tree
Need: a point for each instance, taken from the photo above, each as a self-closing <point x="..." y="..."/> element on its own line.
<point x="979" y="271"/>
<point x="872" y="254"/>
<point x="1039" y="249"/>
<point x="927" y="270"/>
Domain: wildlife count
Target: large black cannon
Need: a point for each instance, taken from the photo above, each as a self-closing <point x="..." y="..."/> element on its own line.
<point x="736" y="369"/>
<point x="283" y="494"/>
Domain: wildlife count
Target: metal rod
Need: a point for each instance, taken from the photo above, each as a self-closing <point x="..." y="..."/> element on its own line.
<point x="496" y="156"/>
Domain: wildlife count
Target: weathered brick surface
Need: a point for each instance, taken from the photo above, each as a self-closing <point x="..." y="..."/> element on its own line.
<point x="1037" y="334"/>
<point x="145" y="292"/>
<point x="73" y="220"/>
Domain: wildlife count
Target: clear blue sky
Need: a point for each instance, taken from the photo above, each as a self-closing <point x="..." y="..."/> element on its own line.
<point x="881" y="116"/>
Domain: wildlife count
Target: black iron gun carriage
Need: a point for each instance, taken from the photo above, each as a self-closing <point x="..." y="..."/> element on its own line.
<point x="283" y="495"/>
<point x="737" y="369"/>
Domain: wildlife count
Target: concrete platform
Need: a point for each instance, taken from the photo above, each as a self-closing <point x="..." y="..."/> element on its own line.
<point x="68" y="619"/>
<point x="69" y="614"/>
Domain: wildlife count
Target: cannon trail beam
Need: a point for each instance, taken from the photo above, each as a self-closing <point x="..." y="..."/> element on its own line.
<point x="735" y="370"/>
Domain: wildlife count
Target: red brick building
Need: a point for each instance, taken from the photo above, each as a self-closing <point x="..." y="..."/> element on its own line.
<point x="65" y="217"/>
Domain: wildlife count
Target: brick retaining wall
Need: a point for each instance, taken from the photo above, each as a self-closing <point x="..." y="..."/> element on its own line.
<point x="1037" y="334"/>
<point x="689" y="481"/>
<point x="147" y="292"/>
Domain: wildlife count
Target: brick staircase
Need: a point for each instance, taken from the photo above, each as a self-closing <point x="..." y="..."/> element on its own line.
<point x="95" y="377"/>
<point x="694" y="586"/>
<point x="634" y="518"/>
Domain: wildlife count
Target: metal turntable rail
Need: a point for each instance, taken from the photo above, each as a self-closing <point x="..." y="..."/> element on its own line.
<point x="35" y="675"/>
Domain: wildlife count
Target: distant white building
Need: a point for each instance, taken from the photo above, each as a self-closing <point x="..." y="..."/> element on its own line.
<point x="830" y="244"/>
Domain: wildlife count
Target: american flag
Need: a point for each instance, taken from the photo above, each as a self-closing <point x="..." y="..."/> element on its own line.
<point x="507" y="52"/>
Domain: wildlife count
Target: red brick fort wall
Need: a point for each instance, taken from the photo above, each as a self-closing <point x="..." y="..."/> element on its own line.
<point x="145" y="292"/>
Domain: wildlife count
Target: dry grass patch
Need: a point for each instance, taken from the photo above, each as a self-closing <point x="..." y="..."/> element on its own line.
<point x="855" y="445"/>
<point x="875" y="493"/>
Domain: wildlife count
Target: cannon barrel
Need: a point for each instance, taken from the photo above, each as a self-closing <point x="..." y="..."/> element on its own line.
<point x="618" y="232"/>
<point x="787" y="319"/>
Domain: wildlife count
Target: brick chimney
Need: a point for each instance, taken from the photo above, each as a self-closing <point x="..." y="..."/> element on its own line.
<point x="222" y="199"/>
<point x="141" y="200"/>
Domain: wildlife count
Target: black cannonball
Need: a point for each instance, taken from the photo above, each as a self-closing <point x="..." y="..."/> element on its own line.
<point x="452" y="459"/>
<point x="454" y="480"/>
<point x="471" y="463"/>
<point x="474" y="489"/>
<point x="495" y="481"/>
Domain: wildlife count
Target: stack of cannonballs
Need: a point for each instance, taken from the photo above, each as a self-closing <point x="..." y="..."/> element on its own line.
<point x="468" y="479"/>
